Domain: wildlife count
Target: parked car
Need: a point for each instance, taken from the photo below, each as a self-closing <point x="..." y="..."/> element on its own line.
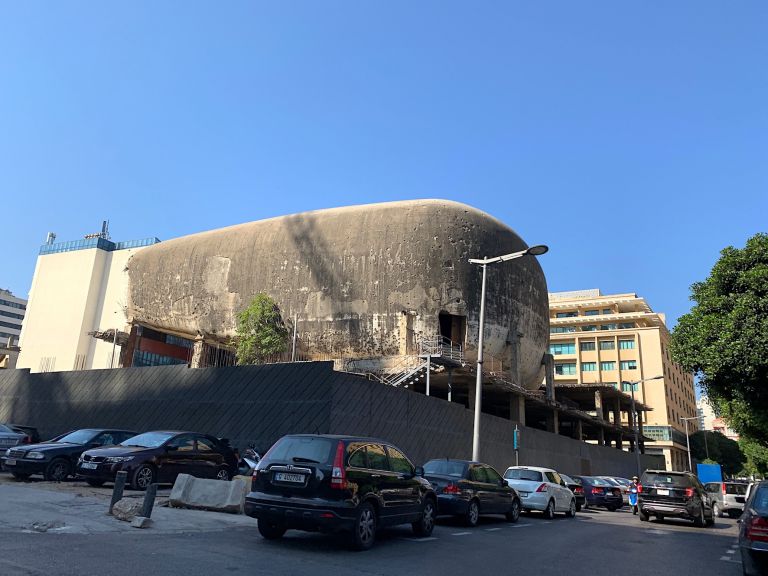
<point x="541" y="489"/>
<point x="575" y="486"/>
<point x="727" y="497"/>
<point x="677" y="494"/>
<point x="56" y="459"/>
<point x="9" y="437"/>
<point x="469" y="489"/>
<point x="600" y="493"/>
<point x="339" y="483"/>
<point x="753" y="531"/>
<point x="622" y="483"/>
<point x="158" y="457"/>
<point x="30" y="431"/>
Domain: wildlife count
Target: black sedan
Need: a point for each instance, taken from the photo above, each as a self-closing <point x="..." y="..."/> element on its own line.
<point x="575" y="486"/>
<point x="469" y="489"/>
<point x="753" y="531"/>
<point x="56" y="459"/>
<point x="601" y="494"/>
<point x="158" y="457"/>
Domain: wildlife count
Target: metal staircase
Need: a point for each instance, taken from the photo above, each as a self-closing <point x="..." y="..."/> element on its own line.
<point x="434" y="354"/>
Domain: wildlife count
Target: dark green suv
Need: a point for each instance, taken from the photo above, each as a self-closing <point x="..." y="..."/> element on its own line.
<point x="339" y="483"/>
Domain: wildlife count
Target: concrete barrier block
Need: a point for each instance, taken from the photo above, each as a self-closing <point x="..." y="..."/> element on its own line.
<point x="202" y="494"/>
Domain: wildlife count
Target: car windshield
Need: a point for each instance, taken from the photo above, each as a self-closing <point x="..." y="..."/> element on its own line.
<point x="444" y="468"/>
<point x="662" y="479"/>
<point x="148" y="439"/>
<point x="737" y="489"/>
<point x="77" y="437"/>
<point x="522" y="474"/>
<point x="5" y="429"/>
<point x="308" y="449"/>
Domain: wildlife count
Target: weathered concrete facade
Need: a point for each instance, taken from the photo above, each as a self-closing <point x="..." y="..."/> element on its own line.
<point x="361" y="281"/>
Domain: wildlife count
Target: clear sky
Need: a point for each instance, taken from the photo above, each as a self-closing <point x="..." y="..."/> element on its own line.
<point x="631" y="137"/>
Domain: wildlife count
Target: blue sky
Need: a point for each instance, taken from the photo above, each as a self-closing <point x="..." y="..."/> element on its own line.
<point x="631" y="137"/>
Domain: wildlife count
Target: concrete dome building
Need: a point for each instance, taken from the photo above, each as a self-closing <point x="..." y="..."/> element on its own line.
<point x="361" y="281"/>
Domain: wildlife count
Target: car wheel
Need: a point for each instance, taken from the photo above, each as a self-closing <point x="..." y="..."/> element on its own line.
<point x="222" y="474"/>
<point x="270" y="531"/>
<point x="660" y="517"/>
<point x="20" y="476"/>
<point x="95" y="483"/>
<point x="699" y="521"/>
<point x="578" y="507"/>
<point x="364" y="532"/>
<point x="710" y="521"/>
<point x="57" y="470"/>
<point x="423" y="526"/>
<point x="549" y="511"/>
<point x="612" y="508"/>
<point x="571" y="510"/>
<point x="473" y="513"/>
<point x="514" y="512"/>
<point x="643" y="516"/>
<point x="716" y="510"/>
<point x="143" y="477"/>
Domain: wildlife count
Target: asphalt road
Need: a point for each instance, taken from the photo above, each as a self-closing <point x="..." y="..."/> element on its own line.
<point x="596" y="543"/>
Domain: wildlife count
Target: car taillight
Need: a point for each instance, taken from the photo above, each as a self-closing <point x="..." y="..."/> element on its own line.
<point x="596" y="490"/>
<point x="757" y="529"/>
<point x="723" y="487"/>
<point x="339" y="473"/>
<point x="542" y="488"/>
<point x="451" y="489"/>
<point x="578" y="490"/>
<point x="689" y="492"/>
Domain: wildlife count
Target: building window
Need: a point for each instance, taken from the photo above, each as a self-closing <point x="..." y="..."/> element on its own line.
<point x="588" y="366"/>
<point x="607" y="345"/>
<point x="561" y="329"/>
<point x="565" y="369"/>
<point x="627" y="387"/>
<point x="625" y="325"/>
<point x="607" y="326"/>
<point x="589" y="328"/>
<point x="591" y="312"/>
<point x="607" y="311"/>
<point x="628" y="364"/>
<point x="566" y="315"/>
<point x="587" y="346"/>
<point x="605" y="366"/>
<point x="626" y="344"/>
<point x="562" y="348"/>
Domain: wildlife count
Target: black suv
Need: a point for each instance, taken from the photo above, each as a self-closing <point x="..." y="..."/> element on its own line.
<point x="678" y="494"/>
<point x="339" y="483"/>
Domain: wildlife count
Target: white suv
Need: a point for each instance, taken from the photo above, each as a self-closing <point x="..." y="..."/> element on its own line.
<point x="541" y="489"/>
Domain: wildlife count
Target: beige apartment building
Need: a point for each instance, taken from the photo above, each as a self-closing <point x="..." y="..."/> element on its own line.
<point x="616" y="339"/>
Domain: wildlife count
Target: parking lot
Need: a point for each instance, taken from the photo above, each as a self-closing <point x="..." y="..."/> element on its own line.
<point x="87" y="541"/>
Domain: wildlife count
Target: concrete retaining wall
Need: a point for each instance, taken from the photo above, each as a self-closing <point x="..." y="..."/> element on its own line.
<point x="262" y="403"/>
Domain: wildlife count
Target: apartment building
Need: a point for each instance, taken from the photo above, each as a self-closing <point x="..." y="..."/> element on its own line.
<point x="617" y="339"/>
<point x="710" y="421"/>
<point x="12" y="310"/>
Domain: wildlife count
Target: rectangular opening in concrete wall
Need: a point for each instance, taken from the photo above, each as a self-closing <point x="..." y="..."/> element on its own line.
<point x="453" y="327"/>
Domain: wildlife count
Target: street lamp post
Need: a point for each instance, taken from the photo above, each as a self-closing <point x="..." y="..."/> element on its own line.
<point x="634" y="417"/>
<point x="688" y="441"/>
<point x="532" y="251"/>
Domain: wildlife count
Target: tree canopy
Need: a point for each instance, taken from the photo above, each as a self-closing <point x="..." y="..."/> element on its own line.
<point x="715" y="447"/>
<point x="261" y="332"/>
<point x="724" y="338"/>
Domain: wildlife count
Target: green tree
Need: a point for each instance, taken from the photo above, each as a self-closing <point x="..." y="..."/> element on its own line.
<point x="724" y="338"/>
<point x="716" y="447"/>
<point x="757" y="458"/>
<point x="261" y="332"/>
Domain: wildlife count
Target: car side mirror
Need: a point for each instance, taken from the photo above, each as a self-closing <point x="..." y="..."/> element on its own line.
<point x="418" y="471"/>
<point x="502" y="482"/>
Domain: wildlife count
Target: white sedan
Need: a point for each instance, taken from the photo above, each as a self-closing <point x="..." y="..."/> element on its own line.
<point x="541" y="489"/>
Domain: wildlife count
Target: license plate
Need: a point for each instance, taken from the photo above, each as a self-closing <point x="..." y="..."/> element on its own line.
<point x="10" y="462"/>
<point x="88" y="465"/>
<point x="284" y="477"/>
<point x="662" y="492"/>
<point x="524" y="494"/>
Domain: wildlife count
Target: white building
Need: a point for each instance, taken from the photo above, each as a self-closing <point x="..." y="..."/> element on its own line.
<point x="78" y="289"/>
<point x="708" y="420"/>
<point x="12" y="311"/>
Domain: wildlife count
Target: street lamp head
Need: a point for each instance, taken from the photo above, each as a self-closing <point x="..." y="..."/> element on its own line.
<point x="537" y="250"/>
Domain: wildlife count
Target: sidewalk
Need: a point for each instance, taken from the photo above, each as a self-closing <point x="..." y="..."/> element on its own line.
<point x="66" y="509"/>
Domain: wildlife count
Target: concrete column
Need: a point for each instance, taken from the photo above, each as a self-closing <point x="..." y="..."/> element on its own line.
<point x="553" y="422"/>
<point x="601" y="436"/>
<point x="517" y="408"/>
<point x="599" y="404"/>
<point x="549" y="374"/>
<point x="617" y="412"/>
<point x="640" y="431"/>
<point x="198" y="354"/>
<point x="619" y="441"/>
<point x="579" y="430"/>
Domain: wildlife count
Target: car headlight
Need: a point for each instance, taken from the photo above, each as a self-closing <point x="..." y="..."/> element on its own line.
<point x="8" y="452"/>
<point x="116" y="459"/>
<point x="35" y="455"/>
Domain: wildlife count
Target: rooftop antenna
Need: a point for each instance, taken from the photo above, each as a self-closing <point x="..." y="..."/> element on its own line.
<point x="50" y="238"/>
<point x="105" y="229"/>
